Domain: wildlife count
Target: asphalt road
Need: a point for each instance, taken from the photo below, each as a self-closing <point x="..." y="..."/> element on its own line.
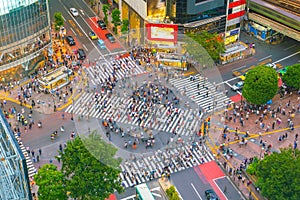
<point x="192" y="185"/>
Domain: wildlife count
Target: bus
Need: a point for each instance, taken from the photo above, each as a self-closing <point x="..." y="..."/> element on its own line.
<point x="143" y="193"/>
<point x="55" y="79"/>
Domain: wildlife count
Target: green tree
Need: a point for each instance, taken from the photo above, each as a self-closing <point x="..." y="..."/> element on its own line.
<point x="212" y="43"/>
<point x="91" y="170"/>
<point x="292" y="76"/>
<point x="116" y="20"/>
<point x="105" y="9"/>
<point x="51" y="183"/>
<point x="278" y="175"/>
<point x="58" y="20"/>
<point x="172" y="193"/>
<point x="261" y="85"/>
<point x="125" y="25"/>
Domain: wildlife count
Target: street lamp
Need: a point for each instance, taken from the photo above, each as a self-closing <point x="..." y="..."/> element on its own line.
<point x="98" y="7"/>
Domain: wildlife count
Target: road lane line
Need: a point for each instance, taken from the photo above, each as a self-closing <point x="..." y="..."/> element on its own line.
<point x="129" y="198"/>
<point x="85" y="47"/>
<point x="265" y="58"/>
<point x="196" y="191"/>
<point x="63" y="18"/>
<point x="286" y="57"/>
<point x="289" y="47"/>
<point x="73" y="31"/>
<point x="219" y="189"/>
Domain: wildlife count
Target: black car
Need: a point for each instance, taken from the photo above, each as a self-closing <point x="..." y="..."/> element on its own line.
<point x="70" y="40"/>
<point x="110" y="37"/>
<point x="81" y="54"/>
<point x="101" y="24"/>
<point x="211" y="195"/>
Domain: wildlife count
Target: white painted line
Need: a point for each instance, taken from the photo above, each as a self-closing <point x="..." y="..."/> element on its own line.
<point x="220" y="189"/>
<point x="286" y="57"/>
<point x="196" y="191"/>
<point x="155" y="189"/>
<point x="85" y="47"/>
<point x="265" y="58"/>
<point x="129" y="197"/>
<point x="63" y="18"/>
<point x="231" y="87"/>
<point x="73" y="31"/>
<point x="157" y="195"/>
<point x="234" y="78"/>
<point x="290" y="47"/>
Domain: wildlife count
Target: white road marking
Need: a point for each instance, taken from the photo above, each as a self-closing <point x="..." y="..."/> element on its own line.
<point x="73" y="31"/>
<point x="129" y="197"/>
<point x="85" y="47"/>
<point x="155" y="189"/>
<point x="63" y="18"/>
<point x="155" y="194"/>
<point x="286" y="57"/>
<point x="220" y="189"/>
<point x="290" y="47"/>
<point x="196" y="191"/>
<point x="265" y="58"/>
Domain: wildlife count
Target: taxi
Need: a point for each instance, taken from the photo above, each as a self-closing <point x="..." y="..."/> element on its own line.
<point x="93" y="36"/>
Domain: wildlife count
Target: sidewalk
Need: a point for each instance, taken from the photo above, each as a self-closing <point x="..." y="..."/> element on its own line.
<point x="256" y="137"/>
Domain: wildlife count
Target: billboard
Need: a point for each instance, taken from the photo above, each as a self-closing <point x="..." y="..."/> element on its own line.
<point x="162" y="32"/>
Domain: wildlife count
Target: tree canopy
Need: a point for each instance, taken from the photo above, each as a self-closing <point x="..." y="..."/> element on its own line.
<point x="58" y="20"/>
<point x="211" y="42"/>
<point x="90" y="168"/>
<point x="51" y="183"/>
<point x="292" y="76"/>
<point x="105" y="9"/>
<point x="261" y="85"/>
<point x="125" y="25"/>
<point x="278" y="175"/>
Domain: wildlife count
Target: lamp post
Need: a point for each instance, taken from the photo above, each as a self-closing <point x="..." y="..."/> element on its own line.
<point x="99" y="7"/>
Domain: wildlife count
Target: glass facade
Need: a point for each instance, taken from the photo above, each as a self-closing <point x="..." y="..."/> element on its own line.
<point x="186" y="11"/>
<point x="24" y="30"/>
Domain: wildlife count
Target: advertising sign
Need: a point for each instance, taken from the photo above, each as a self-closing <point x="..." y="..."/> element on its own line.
<point x="162" y="32"/>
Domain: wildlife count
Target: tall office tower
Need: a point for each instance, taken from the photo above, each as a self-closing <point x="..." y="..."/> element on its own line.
<point x="24" y="34"/>
<point x="14" y="181"/>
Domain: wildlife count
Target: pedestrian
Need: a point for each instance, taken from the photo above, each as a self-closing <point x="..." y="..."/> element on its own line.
<point x="225" y="189"/>
<point x="40" y="152"/>
<point x="38" y="158"/>
<point x="32" y="153"/>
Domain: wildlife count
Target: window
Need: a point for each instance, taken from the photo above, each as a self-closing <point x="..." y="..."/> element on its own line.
<point x="199" y="1"/>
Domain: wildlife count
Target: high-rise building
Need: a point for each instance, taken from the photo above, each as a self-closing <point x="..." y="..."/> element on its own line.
<point x="24" y="34"/>
<point x="14" y="181"/>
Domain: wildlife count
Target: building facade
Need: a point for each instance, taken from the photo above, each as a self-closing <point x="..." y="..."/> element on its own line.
<point x="24" y="34"/>
<point x="14" y="180"/>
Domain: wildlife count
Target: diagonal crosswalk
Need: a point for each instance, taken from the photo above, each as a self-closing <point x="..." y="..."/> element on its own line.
<point x="120" y="68"/>
<point x="202" y="92"/>
<point x="172" y="160"/>
<point x="158" y="117"/>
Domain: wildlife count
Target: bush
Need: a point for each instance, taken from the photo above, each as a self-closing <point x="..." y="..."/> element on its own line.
<point x="172" y="193"/>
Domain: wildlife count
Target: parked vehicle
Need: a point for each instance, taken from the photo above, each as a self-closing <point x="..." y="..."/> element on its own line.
<point x="110" y="37"/>
<point x="101" y="24"/>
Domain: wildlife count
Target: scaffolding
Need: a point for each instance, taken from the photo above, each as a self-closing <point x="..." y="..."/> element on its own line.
<point x="14" y="181"/>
